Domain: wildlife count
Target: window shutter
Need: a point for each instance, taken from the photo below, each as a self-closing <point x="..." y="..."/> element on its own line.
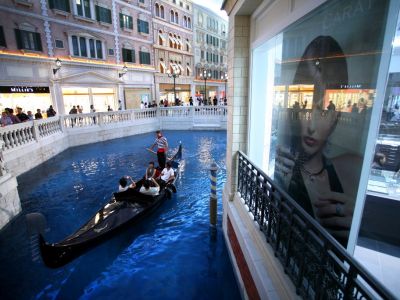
<point x="18" y="38"/>
<point x="130" y="22"/>
<point x="146" y="27"/>
<point x="98" y="18"/>
<point x="124" y="55"/>
<point x="67" y="8"/>
<point x="2" y="38"/>
<point x="99" y="49"/>
<point x="51" y="3"/>
<point x="139" y="27"/>
<point x="38" y="42"/>
<point x="109" y="16"/>
<point x="121" y="20"/>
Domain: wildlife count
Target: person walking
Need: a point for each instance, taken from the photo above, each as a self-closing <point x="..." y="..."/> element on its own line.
<point x="162" y="148"/>
<point x="51" y="112"/>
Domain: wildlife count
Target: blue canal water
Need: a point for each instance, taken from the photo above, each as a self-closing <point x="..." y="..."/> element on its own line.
<point x="170" y="255"/>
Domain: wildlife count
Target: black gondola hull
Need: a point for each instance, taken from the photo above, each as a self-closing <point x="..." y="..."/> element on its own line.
<point x="123" y="210"/>
<point x="58" y="255"/>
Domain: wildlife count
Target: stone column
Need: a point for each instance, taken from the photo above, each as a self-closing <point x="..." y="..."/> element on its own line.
<point x="121" y="96"/>
<point x="237" y="93"/>
<point x="58" y="101"/>
<point x="10" y="204"/>
<point x="193" y="91"/>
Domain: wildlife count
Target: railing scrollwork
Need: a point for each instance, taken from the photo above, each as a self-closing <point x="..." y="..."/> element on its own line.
<point x="318" y="266"/>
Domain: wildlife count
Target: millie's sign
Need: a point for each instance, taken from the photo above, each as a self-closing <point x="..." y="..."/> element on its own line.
<point x="24" y="89"/>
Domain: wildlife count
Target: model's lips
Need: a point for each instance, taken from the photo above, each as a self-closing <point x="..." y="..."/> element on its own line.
<point x="309" y="141"/>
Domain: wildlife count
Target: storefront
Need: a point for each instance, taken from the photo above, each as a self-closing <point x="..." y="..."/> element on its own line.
<point x="212" y="90"/>
<point x="182" y="92"/>
<point x="135" y="96"/>
<point x="29" y="98"/>
<point x="100" y="98"/>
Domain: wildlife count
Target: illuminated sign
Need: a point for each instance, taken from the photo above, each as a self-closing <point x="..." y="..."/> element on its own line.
<point x="24" y="89"/>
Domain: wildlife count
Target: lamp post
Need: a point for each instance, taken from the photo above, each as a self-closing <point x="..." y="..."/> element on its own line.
<point x="205" y="74"/>
<point x="123" y="72"/>
<point x="225" y="78"/>
<point x="58" y="66"/>
<point x="175" y="74"/>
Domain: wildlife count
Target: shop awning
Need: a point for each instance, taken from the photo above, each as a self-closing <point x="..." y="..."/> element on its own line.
<point x="163" y="65"/>
<point x="162" y="37"/>
<point x="172" y="39"/>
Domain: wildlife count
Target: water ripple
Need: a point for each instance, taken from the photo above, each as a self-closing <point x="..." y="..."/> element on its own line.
<point x="170" y="255"/>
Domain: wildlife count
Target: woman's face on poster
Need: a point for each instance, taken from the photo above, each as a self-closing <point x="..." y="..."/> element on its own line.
<point x="316" y="127"/>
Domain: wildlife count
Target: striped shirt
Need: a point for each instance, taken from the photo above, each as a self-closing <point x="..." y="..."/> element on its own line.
<point x="161" y="143"/>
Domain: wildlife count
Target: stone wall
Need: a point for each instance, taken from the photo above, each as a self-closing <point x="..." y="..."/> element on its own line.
<point x="10" y="205"/>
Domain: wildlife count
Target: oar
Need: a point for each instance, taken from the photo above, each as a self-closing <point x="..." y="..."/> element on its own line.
<point x="154" y="152"/>
<point x="150" y="150"/>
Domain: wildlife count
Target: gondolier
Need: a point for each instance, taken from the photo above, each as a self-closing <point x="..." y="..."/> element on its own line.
<point x="162" y="148"/>
<point x="123" y="210"/>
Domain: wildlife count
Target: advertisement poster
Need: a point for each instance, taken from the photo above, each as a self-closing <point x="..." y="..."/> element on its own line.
<point x="328" y="68"/>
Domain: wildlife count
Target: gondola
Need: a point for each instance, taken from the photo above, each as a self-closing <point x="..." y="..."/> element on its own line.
<point x="124" y="209"/>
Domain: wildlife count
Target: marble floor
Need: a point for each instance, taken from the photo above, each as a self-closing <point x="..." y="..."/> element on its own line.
<point x="382" y="260"/>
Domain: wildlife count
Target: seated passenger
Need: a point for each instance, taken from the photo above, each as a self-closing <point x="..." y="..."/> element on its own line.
<point x="167" y="175"/>
<point x="123" y="184"/>
<point x="150" y="171"/>
<point x="146" y="189"/>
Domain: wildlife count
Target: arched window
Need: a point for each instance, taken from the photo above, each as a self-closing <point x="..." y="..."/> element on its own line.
<point x="157" y="10"/>
<point x="189" y="23"/>
<point x="187" y="45"/>
<point x="200" y="19"/>
<point x="185" y="23"/>
<point x="172" y="16"/>
<point x="171" y="41"/>
<point x="161" y="39"/>
<point x="188" y="70"/>
<point x="176" y="18"/>
<point x="162" y="66"/>
<point x="176" y="44"/>
<point x="162" y="15"/>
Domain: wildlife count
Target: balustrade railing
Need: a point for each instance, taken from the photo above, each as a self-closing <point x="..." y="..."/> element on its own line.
<point x="209" y="111"/>
<point x="148" y="113"/>
<point x="19" y="134"/>
<point x="48" y="126"/>
<point x="318" y="266"/>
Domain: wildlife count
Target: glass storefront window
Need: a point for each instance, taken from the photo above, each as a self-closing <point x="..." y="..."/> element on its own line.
<point x="384" y="180"/>
<point x="313" y="89"/>
<point x="101" y="98"/>
<point x="28" y="102"/>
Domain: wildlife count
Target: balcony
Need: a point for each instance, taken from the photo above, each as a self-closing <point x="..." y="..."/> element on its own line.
<point x="284" y="250"/>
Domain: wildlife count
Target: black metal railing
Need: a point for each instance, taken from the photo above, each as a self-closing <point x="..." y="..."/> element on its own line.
<point x="318" y="266"/>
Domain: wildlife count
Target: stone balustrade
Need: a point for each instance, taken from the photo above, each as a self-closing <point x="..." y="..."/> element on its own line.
<point x="185" y="117"/>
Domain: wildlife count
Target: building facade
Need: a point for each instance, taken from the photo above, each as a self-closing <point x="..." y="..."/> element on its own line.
<point x="314" y="96"/>
<point x="210" y="44"/>
<point x="173" y="49"/>
<point x="92" y="40"/>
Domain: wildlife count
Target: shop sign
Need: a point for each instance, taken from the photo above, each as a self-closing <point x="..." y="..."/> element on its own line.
<point x="24" y="89"/>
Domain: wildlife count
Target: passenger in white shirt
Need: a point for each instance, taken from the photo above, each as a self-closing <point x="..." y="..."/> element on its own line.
<point x="146" y="189"/>
<point x="123" y="184"/>
<point x="168" y="173"/>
